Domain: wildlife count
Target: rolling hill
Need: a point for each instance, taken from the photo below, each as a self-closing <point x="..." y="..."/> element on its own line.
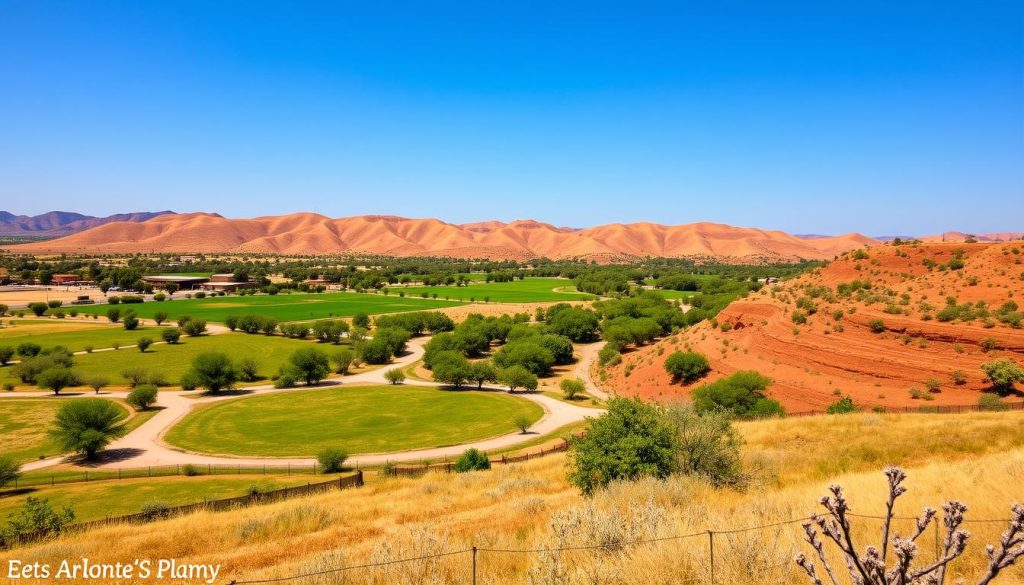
<point x="62" y="223"/>
<point x="308" y="233"/>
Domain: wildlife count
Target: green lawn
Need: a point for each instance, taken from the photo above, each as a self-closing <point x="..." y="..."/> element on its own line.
<point x="73" y="334"/>
<point x="24" y="423"/>
<point x="283" y="307"/>
<point x="92" y="501"/>
<point x="528" y="290"/>
<point x="367" y="419"/>
<point x="270" y="352"/>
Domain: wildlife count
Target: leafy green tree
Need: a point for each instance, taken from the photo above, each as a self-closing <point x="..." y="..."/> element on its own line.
<point x="342" y="360"/>
<point x="572" y="388"/>
<point x="472" y="460"/>
<point x="213" y="371"/>
<point x="631" y="440"/>
<point x="394" y="376"/>
<point x="248" y="369"/>
<point x="310" y="365"/>
<point x="708" y="446"/>
<point x="578" y="324"/>
<point x="687" y="366"/>
<point x="143" y="344"/>
<point x="517" y="376"/>
<point x="114" y="314"/>
<point x="481" y="373"/>
<point x="331" y="459"/>
<point x="87" y="425"/>
<point x="844" y="405"/>
<point x="10" y="470"/>
<point x="159" y="317"/>
<point x="376" y="351"/>
<point x="1003" y="374"/>
<point x="451" y="368"/>
<point x="97" y="383"/>
<point x="142" y="396"/>
<point x="130" y="321"/>
<point x="744" y="394"/>
<point x="56" y="379"/>
<point x="6" y="353"/>
<point x="29" y="349"/>
<point x="38" y="309"/>
<point x="37" y="520"/>
<point x="526" y="353"/>
<point x="171" y="335"/>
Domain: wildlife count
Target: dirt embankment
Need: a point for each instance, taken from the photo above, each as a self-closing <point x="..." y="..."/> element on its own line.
<point x="840" y="349"/>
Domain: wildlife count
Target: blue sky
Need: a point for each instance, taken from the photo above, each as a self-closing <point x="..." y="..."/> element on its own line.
<point x="814" y="117"/>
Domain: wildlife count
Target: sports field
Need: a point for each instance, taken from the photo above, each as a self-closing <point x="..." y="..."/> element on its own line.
<point x="528" y="290"/>
<point x="76" y="335"/>
<point x="359" y="419"/>
<point x="283" y="307"/>
<point x="171" y="361"/>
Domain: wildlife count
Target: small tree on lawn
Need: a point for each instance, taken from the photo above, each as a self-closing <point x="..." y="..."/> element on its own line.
<point x="572" y="388"/>
<point x="114" y="314"/>
<point x="472" y="460"/>
<point x="310" y="365"/>
<point x="97" y="383"/>
<point x="10" y="470"/>
<point x="518" y="377"/>
<point x="522" y="423"/>
<point x="143" y="396"/>
<point x="38" y="309"/>
<point x="159" y="317"/>
<point x="248" y="370"/>
<point x="143" y="344"/>
<point x="87" y="425"/>
<point x="214" y="371"/>
<point x="171" y="335"/>
<point x="194" y="327"/>
<point x="56" y="379"/>
<point x="331" y="459"/>
<point x="131" y="322"/>
<point x="342" y="360"/>
<point x="394" y="376"/>
<point x="6" y="353"/>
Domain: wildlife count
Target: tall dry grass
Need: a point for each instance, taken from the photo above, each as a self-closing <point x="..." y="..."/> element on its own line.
<point x="530" y="506"/>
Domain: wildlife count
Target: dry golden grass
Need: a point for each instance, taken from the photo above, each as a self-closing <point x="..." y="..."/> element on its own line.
<point x="530" y="506"/>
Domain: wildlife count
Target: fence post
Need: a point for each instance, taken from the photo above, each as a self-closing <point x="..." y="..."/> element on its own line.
<point x="359" y="477"/>
<point x="474" y="564"/>
<point x="711" y="549"/>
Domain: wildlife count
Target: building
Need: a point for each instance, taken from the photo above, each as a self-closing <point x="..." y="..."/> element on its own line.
<point x="64" y="279"/>
<point x="183" y="282"/>
<point x="225" y="283"/>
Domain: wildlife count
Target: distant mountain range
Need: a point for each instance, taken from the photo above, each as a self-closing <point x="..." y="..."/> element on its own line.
<point x="62" y="223"/>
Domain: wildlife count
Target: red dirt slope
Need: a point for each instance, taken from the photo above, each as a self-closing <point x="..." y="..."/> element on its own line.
<point x="812" y="364"/>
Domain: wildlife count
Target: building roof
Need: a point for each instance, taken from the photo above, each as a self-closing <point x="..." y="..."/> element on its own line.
<point x="164" y="278"/>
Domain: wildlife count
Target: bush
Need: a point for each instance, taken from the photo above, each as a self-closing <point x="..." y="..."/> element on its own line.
<point x="248" y="370"/>
<point x="472" y="460"/>
<point x="231" y="321"/>
<point x="159" y="317"/>
<point x="609" y="356"/>
<point x="29" y="349"/>
<point x="743" y="394"/>
<point x="114" y="314"/>
<point x="1003" y="374"/>
<point x="87" y="425"/>
<point x="991" y="402"/>
<point x="798" y="317"/>
<point x="130" y="321"/>
<point x="375" y="351"/>
<point x="6" y="353"/>
<point x="143" y="344"/>
<point x="842" y="406"/>
<point x="135" y="376"/>
<point x="37" y="520"/>
<point x="331" y="459"/>
<point x="10" y="470"/>
<point x="394" y="376"/>
<point x="155" y="509"/>
<point x="214" y="371"/>
<point x="522" y="423"/>
<point x="876" y="326"/>
<point x="194" y="327"/>
<point x="189" y="381"/>
<point x="687" y="367"/>
<point x="572" y="388"/>
<point x="171" y="335"/>
<point x="933" y="385"/>
<point x="56" y="379"/>
<point x="159" y="297"/>
<point x="38" y="309"/>
<point x="142" y="397"/>
<point x="189" y="470"/>
<point x="342" y="360"/>
<point x="113" y="299"/>
<point x="285" y="379"/>
<point x="97" y="383"/>
<point x="309" y="364"/>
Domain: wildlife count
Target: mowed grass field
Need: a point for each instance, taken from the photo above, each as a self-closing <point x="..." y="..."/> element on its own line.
<point x="270" y="352"/>
<point x="91" y="501"/>
<point x="24" y="423"/>
<point x="528" y="290"/>
<point x="360" y="419"/>
<point x="72" y="334"/>
<point x="283" y="307"/>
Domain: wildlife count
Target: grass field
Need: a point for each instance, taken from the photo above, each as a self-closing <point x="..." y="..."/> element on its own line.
<point x="24" y="423"/>
<point x="74" y="335"/>
<point x="519" y="507"/>
<point x="528" y="290"/>
<point x="367" y="419"/>
<point x="283" y="307"/>
<point x="95" y="500"/>
<point x="270" y="352"/>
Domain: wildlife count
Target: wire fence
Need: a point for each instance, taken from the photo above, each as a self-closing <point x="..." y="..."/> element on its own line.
<point x="710" y="570"/>
<point x="407" y="470"/>
<point x="928" y="409"/>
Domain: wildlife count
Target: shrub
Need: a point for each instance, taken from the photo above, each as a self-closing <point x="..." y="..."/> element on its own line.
<point x="285" y="379"/>
<point x="130" y="321"/>
<point x="522" y="422"/>
<point x="114" y="314"/>
<point x="342" y="360"/>
<point x="37" y="520"/>
<point x="876" y="326"/>
<point x="687" y="367"/>
<point x="135" y="376"/>
<point x="194" y="327"/>
<point x="159" y="297"/>
<point x="248" y="370"/>
<point x="394" y="376"/>
<point x="743" y="394"/>
<point x="375" y="351"/>
<point x="9" y="470"/>
<point x="142" y="396"/>
<point x="989" y="344"/>
<point x="842" y="406"/>
<point x="56" y="379"/>
<point x="38" y="309"/>
<point x="798" y="317"/>
<point x="572" y="388"/>
<point x="1003" y="374"/>
<point x="933" y="385"/>
<point x="143" y="344"/>
<point x="331" y="459"/>
<point x="155" y="509"/>
<point x="6" y="353"/>
<point x="159" y="317"/>
<point x="189" y="470"/>
<point x="113" y="300"/>
<point x="991" y="402"/>
<point x="189" y="381"/>
<point x="171" y="335"/>
<point x="29" y="349"/>
<point x="87" y="425"/>
<point x="472" y="460"/>
<point x="214" y="371"/>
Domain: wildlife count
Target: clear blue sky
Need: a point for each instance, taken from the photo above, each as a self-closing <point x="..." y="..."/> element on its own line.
<point x="826" y="117"/>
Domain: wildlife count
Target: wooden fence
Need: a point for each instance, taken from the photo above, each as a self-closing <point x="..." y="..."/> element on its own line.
<point x="449" y="466"/>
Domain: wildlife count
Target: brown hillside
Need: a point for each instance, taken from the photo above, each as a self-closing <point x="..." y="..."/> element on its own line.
<point x="308" y="233"/>
<point x="813" y="363"/>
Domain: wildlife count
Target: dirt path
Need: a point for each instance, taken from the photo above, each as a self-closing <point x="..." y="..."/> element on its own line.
<point x="588" y="353"/>
<point x="145" y="446"/>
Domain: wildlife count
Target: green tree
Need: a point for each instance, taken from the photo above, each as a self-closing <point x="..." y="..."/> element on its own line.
<point x="29" y="349"/>
<point x="143" y="344"/>
<point x="342" y="360"/>
<point x="10" y="470"/>
<point x="37" y="520"/>
<point x="97" y="383"/>
<point x="130" y="321"/>
<point x="194" y="327"/>
<point x="472" y="460"/>
<point x="142" y="396"/>
<point x="361" y="320"/>
<point x="376" y="351"/>
<point x="631" y="440"/>
<point x="56" y="379"/>
<point x="38" y="309"/>
<point x="572" y="388"/>
<point x="743" y="394"/>
<point x="331" y="459"/>
<point x="159" y="317"/>
<point x="6" y="353"/>
<point x="214" y="371"/>
<point x="114" y="314"/>
<point x="451" y="368"/>
<point x="517" y="377"/>
<point x="394" y="376"/>
<point x="481" y="373"/>
<point x="310" y="365"/>
<point x="1003" y="374"/>
<point x="844" y="405"/>
<point x="171" y="335"/>
<point x="87" y="425"/>
<point x="248" y="369"/>
<point x="686" y="366"/>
